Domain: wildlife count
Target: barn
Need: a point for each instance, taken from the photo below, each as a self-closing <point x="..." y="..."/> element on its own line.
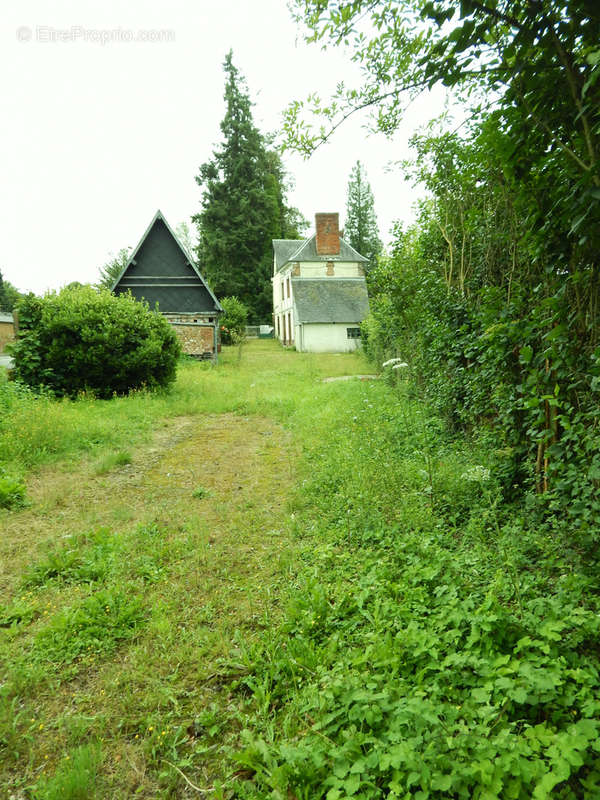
<point x="161" y="272"/>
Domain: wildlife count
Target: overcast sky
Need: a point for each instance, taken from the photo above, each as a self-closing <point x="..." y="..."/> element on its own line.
<point x="97" y="136"/>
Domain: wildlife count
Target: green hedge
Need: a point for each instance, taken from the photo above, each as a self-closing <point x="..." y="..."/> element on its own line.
<point x="85" y="340"/>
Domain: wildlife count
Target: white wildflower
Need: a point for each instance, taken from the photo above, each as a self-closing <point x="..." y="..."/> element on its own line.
<point x="391" y="361"/>
<point x="477" y="473"/>
<point x="401" y="365"/>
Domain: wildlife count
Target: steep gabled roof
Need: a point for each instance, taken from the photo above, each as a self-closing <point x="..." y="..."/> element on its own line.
<point x="165" y="288"/>
<point x="330" y="300"/>
<point x="287" y="250"/>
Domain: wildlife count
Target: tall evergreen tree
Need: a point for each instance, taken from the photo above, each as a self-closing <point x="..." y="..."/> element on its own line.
<point x="361" y="224"/>
<point x="243" y="205"/>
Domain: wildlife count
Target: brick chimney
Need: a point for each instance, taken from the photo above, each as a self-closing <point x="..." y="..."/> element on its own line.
<point x="328" y="234"/>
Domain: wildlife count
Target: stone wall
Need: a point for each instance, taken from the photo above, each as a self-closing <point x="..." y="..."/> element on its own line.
<point x="7" y="333"/>
<point x="195" y="338"/>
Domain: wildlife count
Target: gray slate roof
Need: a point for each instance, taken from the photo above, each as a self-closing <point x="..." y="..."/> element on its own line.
<point x="284" y="248"/>
<point x="287" y="250"/>
<point x="330" y="299"/>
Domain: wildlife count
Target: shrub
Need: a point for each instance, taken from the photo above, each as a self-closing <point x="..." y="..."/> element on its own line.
<point x="81" y="340"/>
<point x="233" y="322"/>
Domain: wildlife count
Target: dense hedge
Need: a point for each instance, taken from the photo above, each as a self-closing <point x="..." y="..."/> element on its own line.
<point x="84" y="340"/>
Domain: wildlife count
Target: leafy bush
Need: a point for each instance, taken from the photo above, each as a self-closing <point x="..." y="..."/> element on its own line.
<point x="233" y="321"/>
<point x="83" y="340"/>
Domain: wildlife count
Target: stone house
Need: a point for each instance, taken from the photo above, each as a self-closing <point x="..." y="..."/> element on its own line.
<point x="319" y="290"/>
<point x="161" y="271"/>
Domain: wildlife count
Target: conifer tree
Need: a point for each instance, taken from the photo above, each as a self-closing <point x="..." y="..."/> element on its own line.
<point x="361" y="229"/>
<point x="243" y="206"/>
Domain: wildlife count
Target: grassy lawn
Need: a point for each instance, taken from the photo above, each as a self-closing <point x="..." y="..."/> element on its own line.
<point x="267" y="585"/>
<point x="157" y="534"/>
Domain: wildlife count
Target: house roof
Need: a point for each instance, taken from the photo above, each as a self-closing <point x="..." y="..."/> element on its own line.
<point x="287" y="250"/>
<point x="330" y="299"/>
<point x="283" y="249"/>
<point x="6" y="316"/>
<point x="151" y="284"/>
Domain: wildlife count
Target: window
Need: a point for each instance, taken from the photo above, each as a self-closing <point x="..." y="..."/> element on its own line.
<point x="353" y="333"/>
<point x="277" y="320"/>
<point x="288" y="287"/>
<point x="282" y="291"/>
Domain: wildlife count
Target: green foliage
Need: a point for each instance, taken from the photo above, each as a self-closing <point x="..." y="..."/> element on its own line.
<point x="111" y="271"/>
<point x="234" y="320"/>
<point x="243" y="206"/>
<point x="201" y="492"/>
<point x="75" y="777"/>
<point x="82" y="340"/>
<point x="112" y="461"/>
<point x="86" y="559"/>
<point x="418" y="657"/>
<point x="494" y="296"/>
<point x="9" y="295"/>
<point x="12" y="490"/>
<point x="96" y="625"/>
<point x="360" y="227"/>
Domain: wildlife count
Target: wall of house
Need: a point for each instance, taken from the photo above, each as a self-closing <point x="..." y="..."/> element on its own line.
<point x="283" y="301"/>
<point x="7" y="333"/>
<point x="283" y="298"/>
<point x="326" y="338"/>
<point x="329" y="269"/>
<point x="195" y="339"/>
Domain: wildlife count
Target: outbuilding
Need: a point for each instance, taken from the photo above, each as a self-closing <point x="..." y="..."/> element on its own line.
<point x="162" y="272"/>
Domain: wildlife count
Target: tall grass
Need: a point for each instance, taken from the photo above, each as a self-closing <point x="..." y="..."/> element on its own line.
<point x="37" y="429"/>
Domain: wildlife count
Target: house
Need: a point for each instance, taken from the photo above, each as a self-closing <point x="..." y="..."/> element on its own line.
<point x="319" y="290"/>
<point x="161" y="271"/>
<point x="7" y="329"/>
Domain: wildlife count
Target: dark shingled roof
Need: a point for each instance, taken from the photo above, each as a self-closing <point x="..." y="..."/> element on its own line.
<point x="160" y="270"/>
<point x="287" y="250"/>
<point x="284" y="248"/>
<point x="330" y="299"/>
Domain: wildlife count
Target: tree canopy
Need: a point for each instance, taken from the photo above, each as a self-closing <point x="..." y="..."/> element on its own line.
<point x="243" y="205"/>
<point x="9" y="295"/>
<point x="112" y="270"/>
<point x="360" y="228"/>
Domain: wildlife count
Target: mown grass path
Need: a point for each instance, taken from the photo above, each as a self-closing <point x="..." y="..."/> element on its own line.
<point x="193" y="522"/>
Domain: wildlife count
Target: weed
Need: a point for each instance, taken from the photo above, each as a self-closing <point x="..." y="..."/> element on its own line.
<point x="112" y="461"/>
<point x="75" y="778"/>
<point x="86" y="559"/>
<point x="200" y="493"/>
<point x="95" y="626"/>
<point x="12" y="491"/>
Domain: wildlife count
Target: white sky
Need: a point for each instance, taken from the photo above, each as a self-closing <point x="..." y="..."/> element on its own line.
<point x="96" y="137"/>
